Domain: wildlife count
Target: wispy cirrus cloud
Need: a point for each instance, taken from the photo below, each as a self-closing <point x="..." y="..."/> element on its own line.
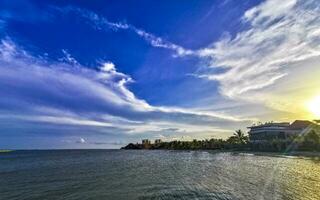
<point x="102" y="23"/>
<point x="37" y="92"/>
<point x="257" y="65"/>
<point x="278" y="36"/>
<point x="274" y="59"/>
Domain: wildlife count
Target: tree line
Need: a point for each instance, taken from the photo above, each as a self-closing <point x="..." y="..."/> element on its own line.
<point x="239" y="141"/>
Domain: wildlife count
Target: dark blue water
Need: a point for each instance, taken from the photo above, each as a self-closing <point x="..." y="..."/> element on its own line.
<point x="121" y="174"/>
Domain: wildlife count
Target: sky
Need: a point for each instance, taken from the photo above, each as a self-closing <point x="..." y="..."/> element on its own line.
<point x="101" y="74"/>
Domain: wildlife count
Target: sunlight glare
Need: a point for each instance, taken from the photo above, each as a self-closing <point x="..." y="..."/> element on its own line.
<point x="314" y="106"/>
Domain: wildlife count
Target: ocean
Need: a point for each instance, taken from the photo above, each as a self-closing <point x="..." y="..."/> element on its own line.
<point x="155" y="174"/>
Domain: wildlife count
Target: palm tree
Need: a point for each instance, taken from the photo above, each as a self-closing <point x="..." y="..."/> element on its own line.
<point x="239" y="135"/>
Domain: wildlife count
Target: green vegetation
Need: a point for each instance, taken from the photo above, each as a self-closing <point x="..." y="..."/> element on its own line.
<point x="239" y="141"/>
<point x="5" y="151"/>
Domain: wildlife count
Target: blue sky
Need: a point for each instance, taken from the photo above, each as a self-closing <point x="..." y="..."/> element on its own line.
<point x="83" y="74"/>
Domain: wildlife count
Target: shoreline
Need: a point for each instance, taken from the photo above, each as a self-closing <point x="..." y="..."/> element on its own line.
<point x="5" y="150"/>
<point x="257" y="153"/>
<point x="309" y="154"/>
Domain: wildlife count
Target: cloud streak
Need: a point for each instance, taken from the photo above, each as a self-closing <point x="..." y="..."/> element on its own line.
<point x="278" y="36"/>
<point x="101" y="23"/>
<point x="254" y="65"/>
<point x="35" y="91"/>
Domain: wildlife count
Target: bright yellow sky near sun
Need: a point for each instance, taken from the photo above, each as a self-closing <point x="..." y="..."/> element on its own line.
<point x="296" y="96"/>
<point x="314" y="106"/>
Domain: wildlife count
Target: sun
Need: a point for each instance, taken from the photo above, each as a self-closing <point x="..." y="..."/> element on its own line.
<point x="314" y="106"/>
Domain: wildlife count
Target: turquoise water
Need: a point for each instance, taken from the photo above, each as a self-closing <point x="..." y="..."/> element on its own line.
<point x="126" y="174"/>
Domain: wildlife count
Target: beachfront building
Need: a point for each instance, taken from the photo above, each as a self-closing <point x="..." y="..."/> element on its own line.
<point x="157" y="141"/>
<point x="300" y="127"/>
<point x="267" y="131"/>
<point x="146" y="142"/>
<point x="280" y="131"/>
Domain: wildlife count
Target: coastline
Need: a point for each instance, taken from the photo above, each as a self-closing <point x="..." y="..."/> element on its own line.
<point x="309" y="154"/>
<point x="5" y="151"/>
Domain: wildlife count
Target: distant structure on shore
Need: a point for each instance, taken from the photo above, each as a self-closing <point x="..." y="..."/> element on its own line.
<point x="281" y="131"/>
<point x="300" y="135"/>
<point x="158" y="141"/>
<point x="146" y="142"/>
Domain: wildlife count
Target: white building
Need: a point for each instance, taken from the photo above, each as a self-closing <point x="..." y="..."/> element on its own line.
<point x="269" y="131"/>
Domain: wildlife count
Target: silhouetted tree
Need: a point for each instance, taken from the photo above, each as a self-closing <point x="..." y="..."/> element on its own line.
<point x="240" y="137"/>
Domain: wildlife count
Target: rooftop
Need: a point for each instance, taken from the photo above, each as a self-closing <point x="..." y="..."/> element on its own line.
<point x="296" y="125"/>
<point x="300" y="124"/>
<point x="271" y="124"/>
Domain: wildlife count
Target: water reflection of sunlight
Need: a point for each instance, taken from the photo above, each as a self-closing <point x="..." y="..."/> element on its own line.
<point x="298" y="176"/>
<point x="304" y="177"/>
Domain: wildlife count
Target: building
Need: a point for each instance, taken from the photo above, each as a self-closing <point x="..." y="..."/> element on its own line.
<point x="146" y="142"/>
<point x="267" y="131"/>
<point x="281" y="131"/>
<point x="300" y="127"/>
<point x="157" y="141"/>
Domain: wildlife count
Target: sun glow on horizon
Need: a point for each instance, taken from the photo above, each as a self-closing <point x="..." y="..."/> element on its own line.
<point x="314" y="106"/>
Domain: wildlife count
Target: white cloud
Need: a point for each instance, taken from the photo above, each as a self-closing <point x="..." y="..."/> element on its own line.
<point x="159" y="42"/>
<point x="8" y="50"/>
<point x="268" y="11"/>
<point x="276" y="56"/>
<point x="279" y="35"/>
<point x="108" y="67"/>
<point x="59" y="94"/>
<point x="101" y="23"/>
<point x="68" y="58"/>
<point x="81" y="141"/>
<point x="277" y="38"/>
